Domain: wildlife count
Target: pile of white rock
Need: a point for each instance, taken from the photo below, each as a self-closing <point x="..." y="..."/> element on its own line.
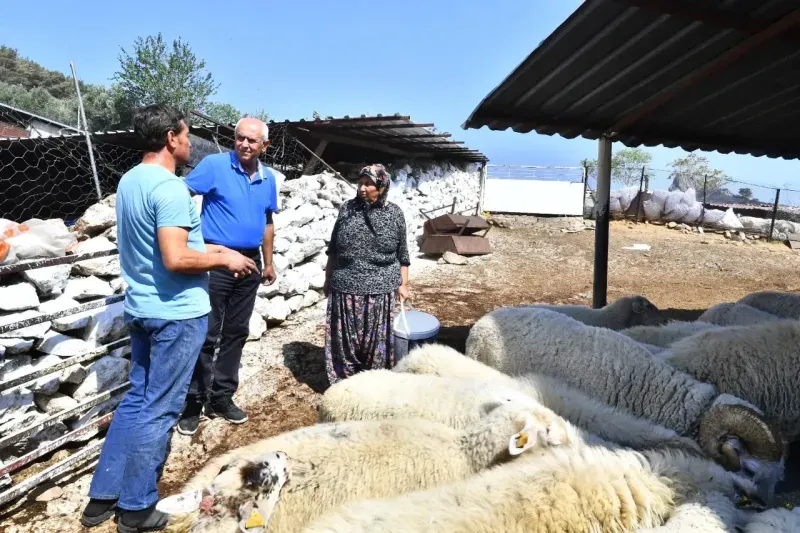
<point x="309" y="206"/>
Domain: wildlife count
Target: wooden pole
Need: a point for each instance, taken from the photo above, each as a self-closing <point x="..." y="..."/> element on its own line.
<point x="600" y="284"/>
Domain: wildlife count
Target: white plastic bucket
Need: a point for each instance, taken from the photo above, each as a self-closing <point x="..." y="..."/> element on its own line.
<point x="411" y="329"/>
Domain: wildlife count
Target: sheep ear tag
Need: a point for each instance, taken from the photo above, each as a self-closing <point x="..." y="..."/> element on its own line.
<point x="185" y="502"/>
<point x="519" y="442"/>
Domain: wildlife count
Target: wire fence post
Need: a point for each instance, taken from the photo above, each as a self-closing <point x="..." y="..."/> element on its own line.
<point x="774" y="213"/>
<point x="585" y="185"/>
<point x="639" y="196"/>
<point x="86" y="132"/>
<point x="703" y="213"/>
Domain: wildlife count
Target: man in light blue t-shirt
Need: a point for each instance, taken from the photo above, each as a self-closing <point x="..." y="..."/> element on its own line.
<point x="165" y="263"/>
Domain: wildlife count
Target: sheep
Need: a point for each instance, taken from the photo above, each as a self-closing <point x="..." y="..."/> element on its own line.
<point x="735" y="314"/>
<point x="458" y="403"/>
<point x="707" y="512"/>
<point x="585" y="489"/>
<point x="609" y="424"/>
<point x="781" y="304"/>
<point x="622" y="313"/>
<point x="663" y="336"/>
<point x="615" y="369"/>
<point x="775" y="521"/>
<point x="334" y="463"/>
<point x="758" y="363"/>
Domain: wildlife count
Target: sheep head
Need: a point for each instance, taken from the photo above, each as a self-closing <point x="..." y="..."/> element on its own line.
<point x="644" y="312"/>
<point x="737" y="437"/>
<point x="241" y="497"/>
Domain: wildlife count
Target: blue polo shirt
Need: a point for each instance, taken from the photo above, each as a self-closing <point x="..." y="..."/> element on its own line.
<point x="234" y="208"/>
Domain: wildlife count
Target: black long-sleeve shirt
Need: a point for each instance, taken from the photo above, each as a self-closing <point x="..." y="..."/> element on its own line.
<point x="367" y="262"/>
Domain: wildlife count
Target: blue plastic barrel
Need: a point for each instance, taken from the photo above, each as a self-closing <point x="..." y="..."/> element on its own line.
<point x="423" y="328"/>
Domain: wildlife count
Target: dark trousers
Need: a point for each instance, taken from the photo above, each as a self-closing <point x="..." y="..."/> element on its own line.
<point x="232" y="302"/>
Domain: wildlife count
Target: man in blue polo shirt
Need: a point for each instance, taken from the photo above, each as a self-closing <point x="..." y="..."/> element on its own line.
<point x="239" y="198"/>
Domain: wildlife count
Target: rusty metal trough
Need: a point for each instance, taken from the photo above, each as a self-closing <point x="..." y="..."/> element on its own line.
<point x="457" y="234"/>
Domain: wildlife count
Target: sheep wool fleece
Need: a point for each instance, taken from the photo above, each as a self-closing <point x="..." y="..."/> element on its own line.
<point x="588" y="489"/>
<point x="333" y="464"/>
<point x="605" y="364"/>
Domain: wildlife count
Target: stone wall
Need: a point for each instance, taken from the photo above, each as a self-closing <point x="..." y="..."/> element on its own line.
<point x="308" y="209"/>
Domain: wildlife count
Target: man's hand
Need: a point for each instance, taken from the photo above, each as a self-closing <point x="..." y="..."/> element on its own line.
<point x="404" y="292"/>
<point x="238" y="264"/>
<point x="268" y="275"/>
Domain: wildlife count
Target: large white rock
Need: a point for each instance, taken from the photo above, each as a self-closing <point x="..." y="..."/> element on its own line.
<point x="48" y="384"/>
<point x="303" y="183"/>
<point x="63" y="346"/>
<point x="106" y="324"/>
<point x="279" y="311"/>
<point x="74" y="374"/>
<point x="18" y="297"/>
<point x="267" y="291"/>
<point x="56" y="305"/>
<point x="289" y="233"/>
<point x="104" y="374"/>
<point x="111" y="234"/>
<point x="49" y="281"/>
<point x="54" y="404"/>
<point x="295" y="303"/>
<point x="36" y="331"/>
<point x="72" y="322"/>
<point x="96" y="219"/>
<point x="261" y="307"/>
<point x="293" y="282"/>
<point x="314" y="273"/>
<point x="280" y="263"/>
<point x="13" y="422"/>
<point x="102" y="266"/>
<point x="280" y="245"/>
<point x="15" y="401"/>
<point x="16" y="346"/>
<point x="310" y="298"/>
<point x="118" y="285"/>
<point x="14" y="367"/>
<point x="322" y="229"/>
<point x="299" y="252"/>
<point x="299" y="198"/>
<point x="84" y="288"/>
<point x="257" y="327"/>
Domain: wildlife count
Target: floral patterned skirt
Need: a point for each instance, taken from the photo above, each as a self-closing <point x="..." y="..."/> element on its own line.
<point x="359" y="333"/>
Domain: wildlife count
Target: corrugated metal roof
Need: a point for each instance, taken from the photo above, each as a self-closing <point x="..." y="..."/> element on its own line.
<point x="396" y="134"/>
<point x="702" y="74"/>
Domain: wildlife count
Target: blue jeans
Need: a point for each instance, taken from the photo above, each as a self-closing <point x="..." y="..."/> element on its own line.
<point x="163" y="355"/>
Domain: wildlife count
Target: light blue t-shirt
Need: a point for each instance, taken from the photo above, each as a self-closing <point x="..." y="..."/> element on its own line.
<point x="150" y="197"/>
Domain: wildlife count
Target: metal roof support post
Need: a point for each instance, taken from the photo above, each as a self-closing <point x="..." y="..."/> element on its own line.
<point x="482" y="192"/>
<point x="600" y="283"/>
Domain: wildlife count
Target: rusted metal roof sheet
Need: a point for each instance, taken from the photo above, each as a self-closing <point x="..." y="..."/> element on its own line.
<point x="702" y="74"/>
<point x="396" y="135"/>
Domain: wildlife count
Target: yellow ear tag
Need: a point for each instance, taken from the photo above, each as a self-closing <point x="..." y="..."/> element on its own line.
<point x="522" y="440"/>
<point x="255" y="520"/>
<point x="789" y="505"/>
<point x="743" y="501"/>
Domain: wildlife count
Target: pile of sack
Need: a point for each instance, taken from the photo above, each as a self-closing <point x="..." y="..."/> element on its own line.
<point x="34" y="238"/>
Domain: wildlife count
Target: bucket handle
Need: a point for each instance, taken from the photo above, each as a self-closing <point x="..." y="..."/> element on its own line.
<point x="403" y="317"/>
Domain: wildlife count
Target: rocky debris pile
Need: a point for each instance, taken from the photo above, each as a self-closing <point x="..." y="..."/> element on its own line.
<point x="309" y="207"/>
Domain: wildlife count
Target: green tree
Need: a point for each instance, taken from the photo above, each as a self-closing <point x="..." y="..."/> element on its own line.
<point x="221" y="112"/>
<point x="626" y="166"/>
<point x="260" y="114"/>
<point x="746" y="193"/>
<point x="692" y="170"/>
<point x="154" y="73"/>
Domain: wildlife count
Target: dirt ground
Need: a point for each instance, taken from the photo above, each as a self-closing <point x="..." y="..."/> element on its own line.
<point x="535" y="260"/>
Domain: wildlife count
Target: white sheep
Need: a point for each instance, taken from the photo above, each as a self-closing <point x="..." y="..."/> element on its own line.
<point x="775" y="521"/>
<point x="459" y="403"/>
<point x="615" y="369"/>
<point x="622" y="313"/>
<point x="585" y="489"/>
<point x="663" y="336"/>
<point x="735" y="314"/>
<point x="782" y="304"/>
<point x="759" y="363"/>
<point x="332" y="464"/>
<point x="611" y="425"/>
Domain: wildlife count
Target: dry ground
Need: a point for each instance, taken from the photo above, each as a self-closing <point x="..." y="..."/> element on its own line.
<point x="533" y="261"/>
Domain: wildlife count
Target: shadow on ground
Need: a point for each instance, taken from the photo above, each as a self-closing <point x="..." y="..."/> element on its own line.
<point x="306" y="361"/>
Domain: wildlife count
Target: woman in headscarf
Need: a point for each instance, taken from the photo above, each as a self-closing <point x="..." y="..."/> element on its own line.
<point x="367" y="270"/>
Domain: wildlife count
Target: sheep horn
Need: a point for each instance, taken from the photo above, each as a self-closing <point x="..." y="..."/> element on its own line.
<point x="723" y="421"/>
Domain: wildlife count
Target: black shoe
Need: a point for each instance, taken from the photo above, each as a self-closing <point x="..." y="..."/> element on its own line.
<point x="225" y="408"/>
<point x="149" y="519"/>
<point x="190" y="418"/>
<point x="98" y="511"/>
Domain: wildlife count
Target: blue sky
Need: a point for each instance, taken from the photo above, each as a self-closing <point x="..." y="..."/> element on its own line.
<point x="431" y="59"/>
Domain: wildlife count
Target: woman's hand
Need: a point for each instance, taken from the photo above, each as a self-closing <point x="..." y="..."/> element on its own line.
<point x="405" y="292"/>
